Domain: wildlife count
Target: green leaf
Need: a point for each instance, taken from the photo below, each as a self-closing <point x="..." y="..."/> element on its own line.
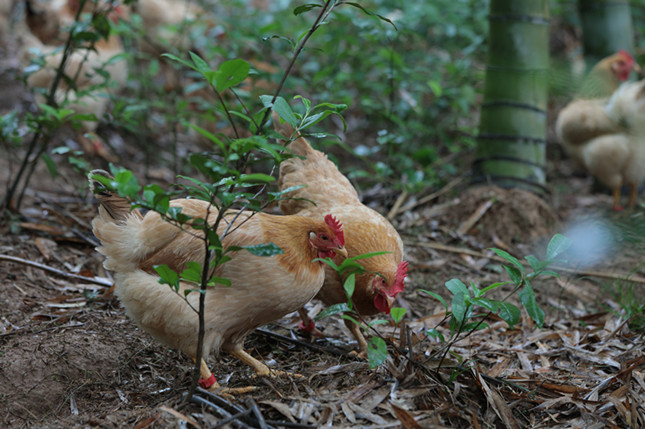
<point x="534" y="262"/>
<point x="208" y="135"/>
<point x="436" y="296"/>
<point x="370" y="13"/>
<point x="192" y="272"/>
<point x="510" y="258"/>
<point x="367" y="255"/>
<point x="256" y="178"/>
<point x="219" y="280"/>
<point x="435" y="87"/>
<point x="167" y="276"/>
<point x="305" y="8"/>
<point x="327" y="261"/>
<point x="51" y="165"/>
<point x="267" y="249"/>
<point x="349" y="285"/>
<point x="126" y="184"/>
<point x="514" y="274"/>
<point x="457" y="286"/>
<point x="231" y="73"/>
<point x="180" y="61"/>
<point x="488" y="304"/>
<point x="549" y="273"/>
<point x="346" y="316"/>
<point x="509" y="313"/>
<point x="397" y="314"/>
<point x="493" y="286"/>
<point x="331" y="310"/>
<point x="435" y="334"/>
<point x="527" y="297"/>
<point x="376" y="352"/>
<point x="558" y="244"/>
<point x="282" y="108"/>
<point x="459" y="307"/>
<point x="200" y="65"/>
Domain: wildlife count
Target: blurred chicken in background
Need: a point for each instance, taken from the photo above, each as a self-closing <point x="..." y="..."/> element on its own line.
<point x="599" y="129"/>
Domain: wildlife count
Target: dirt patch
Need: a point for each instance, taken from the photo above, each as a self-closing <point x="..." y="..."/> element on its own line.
<point x="506" y="217"/>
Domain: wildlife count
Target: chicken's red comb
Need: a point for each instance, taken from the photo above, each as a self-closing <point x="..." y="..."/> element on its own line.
<point x="337" y="227"/>
<point x="399" y="279"/>
<point x="623" y="53"/>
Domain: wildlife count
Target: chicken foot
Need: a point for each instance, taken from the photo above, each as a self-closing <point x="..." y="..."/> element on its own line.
<point x="355" y="329"/>
<point x="633" y="191"/>
<point x="208" y="382"/>
<point x="261" y="370"/>
<point x="616" y="207"/>
<point x="307" y="324"/>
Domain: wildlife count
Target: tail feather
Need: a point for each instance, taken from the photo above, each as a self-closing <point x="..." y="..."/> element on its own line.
<point x="118" y="208"/>
<point x="115" y="227"/>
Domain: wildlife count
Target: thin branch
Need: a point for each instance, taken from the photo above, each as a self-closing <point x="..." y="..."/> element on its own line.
<point x="95" y="280"/>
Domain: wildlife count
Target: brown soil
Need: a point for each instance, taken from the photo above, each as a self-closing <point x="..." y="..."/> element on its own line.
<point x="71" y="358"/>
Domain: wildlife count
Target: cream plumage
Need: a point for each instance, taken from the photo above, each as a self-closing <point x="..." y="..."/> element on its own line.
<point x="366" y="231"/>
<point x="262" y="289"/>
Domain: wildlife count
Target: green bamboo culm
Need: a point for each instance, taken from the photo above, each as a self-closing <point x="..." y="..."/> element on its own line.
<point x="511" y="145"/>
<point x="606" y="28"/>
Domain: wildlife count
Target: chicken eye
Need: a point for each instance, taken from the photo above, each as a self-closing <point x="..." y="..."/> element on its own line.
<point x="324" y="237"/>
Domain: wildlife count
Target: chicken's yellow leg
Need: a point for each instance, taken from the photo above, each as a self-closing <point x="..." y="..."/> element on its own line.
<point x="355" y="329"/>
<point x="260" y="369"/>
<point x="633" y="191"/>
<point x="616" y="207"/>
<point x="208" y="381"/>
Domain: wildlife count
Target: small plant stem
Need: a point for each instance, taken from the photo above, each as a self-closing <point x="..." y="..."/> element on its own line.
<point x="322" y="16"/>
<point x="51" y="101"/>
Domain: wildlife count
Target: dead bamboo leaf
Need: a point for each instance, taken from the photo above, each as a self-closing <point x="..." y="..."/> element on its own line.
<point x="375" y="397"/>
<point x="498" y="404"/>
<point x="180" y="416"/>
<point x="349" y="414"/>
<point x="46" y="247"/>
<point x="281" y="408"/>
<point x="362" y="413"/>
<point x="148" y="422"/>
<point x="469" y="223"/>
<point x="406" y="419"/>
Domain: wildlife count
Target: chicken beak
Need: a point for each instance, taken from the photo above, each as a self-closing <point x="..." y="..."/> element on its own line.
<point x="341" y="251"/>
<point x="637" y="69"/>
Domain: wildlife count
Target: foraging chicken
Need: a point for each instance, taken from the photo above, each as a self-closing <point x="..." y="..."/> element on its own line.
<point x="617" y="158"/>
<point x="584" y="118"/>
<point x="86" y="67"/>
<point x="159" y="17"/>
<point x="366" y="231"/>
<point x="601" y="133"/>
<point x="262" y="289"/>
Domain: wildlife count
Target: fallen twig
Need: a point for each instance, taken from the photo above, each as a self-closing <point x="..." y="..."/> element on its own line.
<point x="95" y="280"/>
<point x="444" y="247"/>
<point x="397" y="205"/>
<point x="425" y="199"/>
<point x="333" y="351"/>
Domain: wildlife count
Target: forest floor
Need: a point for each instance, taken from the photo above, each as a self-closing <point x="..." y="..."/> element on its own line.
<point x="69" y="357"/>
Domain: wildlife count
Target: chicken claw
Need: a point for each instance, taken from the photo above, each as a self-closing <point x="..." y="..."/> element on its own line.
<point x="208" y="382"/>
<point x="261" y="370"/>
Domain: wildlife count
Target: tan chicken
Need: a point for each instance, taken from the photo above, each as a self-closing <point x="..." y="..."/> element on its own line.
<point x="593" y="129"/>
<point x="584" y="118"/>
<point x="160" y="19"/>
<point x="366" y="231"/>
<point x="85" y="66"/>
<point x="262" y="289"/>
<point x="617" y="158"/>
